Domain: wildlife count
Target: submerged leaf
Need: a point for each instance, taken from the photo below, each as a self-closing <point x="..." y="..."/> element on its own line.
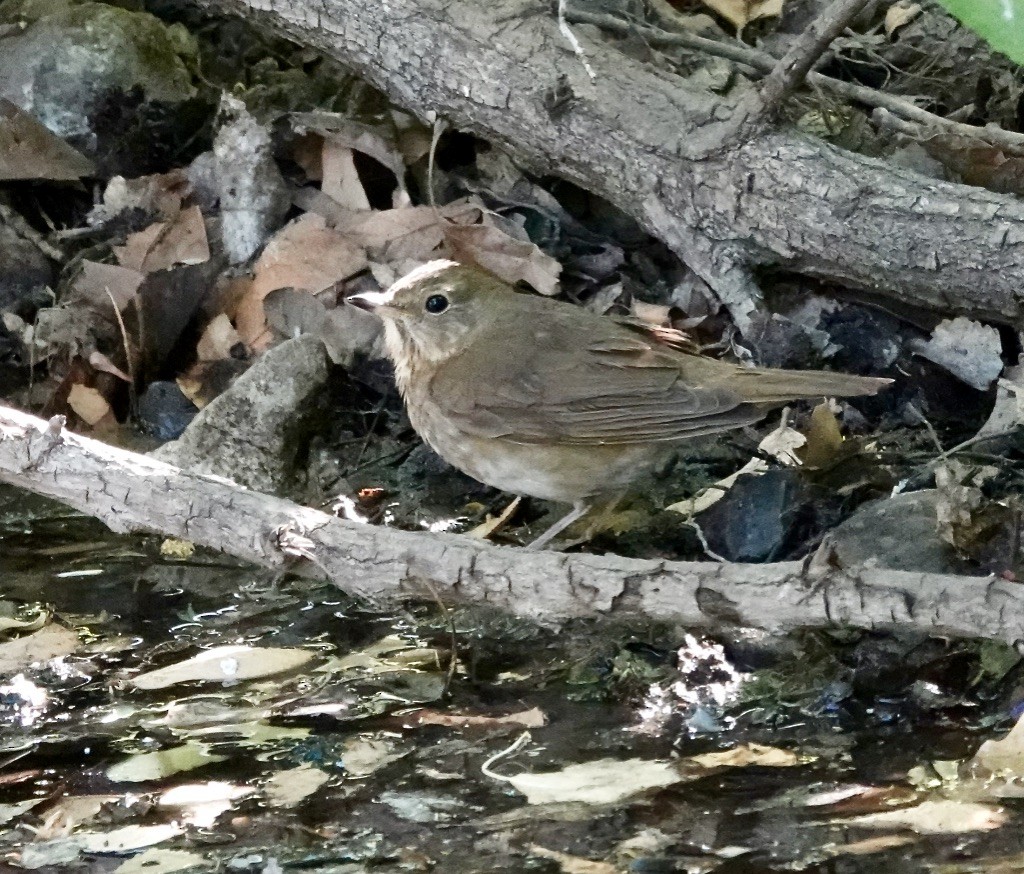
<point x="226" y="664"/>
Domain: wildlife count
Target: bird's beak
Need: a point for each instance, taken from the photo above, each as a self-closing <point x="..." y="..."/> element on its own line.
<point x="378" y="302"/>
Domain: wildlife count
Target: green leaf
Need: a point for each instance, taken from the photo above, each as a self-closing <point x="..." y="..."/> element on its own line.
<point x="999" y="22"/>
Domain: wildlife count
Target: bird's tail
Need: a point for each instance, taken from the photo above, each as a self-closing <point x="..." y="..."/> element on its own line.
<point x="769" y="386"/>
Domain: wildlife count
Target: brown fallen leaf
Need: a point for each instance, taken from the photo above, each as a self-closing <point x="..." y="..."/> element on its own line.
<point x="305" y="255"/>
<point x="219" y="338"/>
<point x="740" y="13"/>
<point x="340" y="178"/>
<point x="506" y="257"/>
<point x="532" y="718"/>
<point x="900" y="14"/>
<point x="90" y="406"/>
<point x="164" y="245"/>
<point x="30" y="150"/>
<point x="745" y="755"/>
<point x="40" y="646"/>
<point x="944" y="816"/>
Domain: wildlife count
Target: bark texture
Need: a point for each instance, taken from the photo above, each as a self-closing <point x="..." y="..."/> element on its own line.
<point x="136" y="493"/>
<point x="667" y="154"/>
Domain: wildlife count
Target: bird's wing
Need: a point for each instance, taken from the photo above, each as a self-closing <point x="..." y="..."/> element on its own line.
<point x="618" y="388"/>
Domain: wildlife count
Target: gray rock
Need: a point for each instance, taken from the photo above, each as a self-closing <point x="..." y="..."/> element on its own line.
<point x="756" y="520"/>
<point x="898" y="533"/>
<point x="165" y="411"/>
<point x="66" y="57"/>
<point x="254" y="432"/>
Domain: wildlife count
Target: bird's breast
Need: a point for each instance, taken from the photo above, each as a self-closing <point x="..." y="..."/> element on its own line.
<point x="551" y="472"/>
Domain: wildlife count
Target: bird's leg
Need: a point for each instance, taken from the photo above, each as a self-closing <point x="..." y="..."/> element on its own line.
<point x="578" y="511"/>
<point x="602" y="519"/>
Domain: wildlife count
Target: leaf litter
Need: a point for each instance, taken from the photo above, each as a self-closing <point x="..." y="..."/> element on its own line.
<point x="232" y="723"/>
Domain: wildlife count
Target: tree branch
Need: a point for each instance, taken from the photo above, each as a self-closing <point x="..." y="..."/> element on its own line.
<point x="136" y="493"/>
<point x="924" y="123"/>
<point x="790" y="70"/>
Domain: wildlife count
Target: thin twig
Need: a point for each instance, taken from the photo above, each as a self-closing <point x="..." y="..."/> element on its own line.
<point x="132" y="399"/>
<point x="928" y="426"/>
<point x="511" y="750"/>
<point x="763" y="62"/>
<point x="708" y="551"/>
<point x="453" y="635"/>
<point x="23" y="228"/>
<point x="792" y="68"/>
<point x="435" y="136"/>
<point x="570" y="37"/>
<point x="972" y="441"/>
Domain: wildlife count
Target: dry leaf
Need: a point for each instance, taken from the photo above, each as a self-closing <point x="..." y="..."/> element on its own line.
<point x="340" y="178"/>
<point x="899" y="14"/>
<point x="219" y="338"/>
<point x="782" y="443"/>
<point x="100" y="362"/>
<point x="288" y="788"/>
<point x="89" y="405"/>
<point x="960" y="497"/>
<point x="972" y="352"/>
<point x="714" y="493"/>
<point x="30" y="150"/>
<point x="746" y="755"/>
<point x="870" y="846"/>
<point x="164" y="245"/>
<point x="70" y="812"/>
<point x="159" y="194"/>
<point x="493" y="523"/>
<point x="40" y="646"/>
<point x="1008" y="410"/>
<point x="128" y="838"/>
<point x="162" y="763"/>
<point x="1004" y="757"/>
<point x="226" y="664"/>
<point x="740" y="13"/>
<point x="9" y="812"/>
<point x="604" y="781"/>
<point x="936" y="818"/>
<point x="304" y="255"/>
<point x="506" y="257"/>
<point x="362" y="756"/>
<point x="340" y="131"/>
<point x="532" y="718"/>
<point x="97" y="283"/>
<point x="159" y="861"/>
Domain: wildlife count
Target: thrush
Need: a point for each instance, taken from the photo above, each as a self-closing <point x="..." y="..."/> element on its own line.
<point x="543" y="398"/>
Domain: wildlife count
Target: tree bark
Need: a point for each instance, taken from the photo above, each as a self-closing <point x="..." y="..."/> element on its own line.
<point x="667" y="154"/>
<point x="132" y="492"/>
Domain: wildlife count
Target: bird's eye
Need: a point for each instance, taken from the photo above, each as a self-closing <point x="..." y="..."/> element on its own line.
<point x="436" y="303"/>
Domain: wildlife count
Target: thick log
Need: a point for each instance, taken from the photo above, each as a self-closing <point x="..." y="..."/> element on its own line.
<point x="666" y="153"/>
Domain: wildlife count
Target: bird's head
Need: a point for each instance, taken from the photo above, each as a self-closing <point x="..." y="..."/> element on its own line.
<point x="432" y="313"/>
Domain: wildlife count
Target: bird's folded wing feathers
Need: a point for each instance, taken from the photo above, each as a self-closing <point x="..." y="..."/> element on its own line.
<point x="623" y="387"/>
<point x="612" y="393"/>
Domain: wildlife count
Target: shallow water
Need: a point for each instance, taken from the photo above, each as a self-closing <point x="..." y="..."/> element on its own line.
<point x="338" y="737"/>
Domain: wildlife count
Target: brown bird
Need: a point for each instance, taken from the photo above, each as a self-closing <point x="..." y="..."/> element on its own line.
<point x="543" y="398"/>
